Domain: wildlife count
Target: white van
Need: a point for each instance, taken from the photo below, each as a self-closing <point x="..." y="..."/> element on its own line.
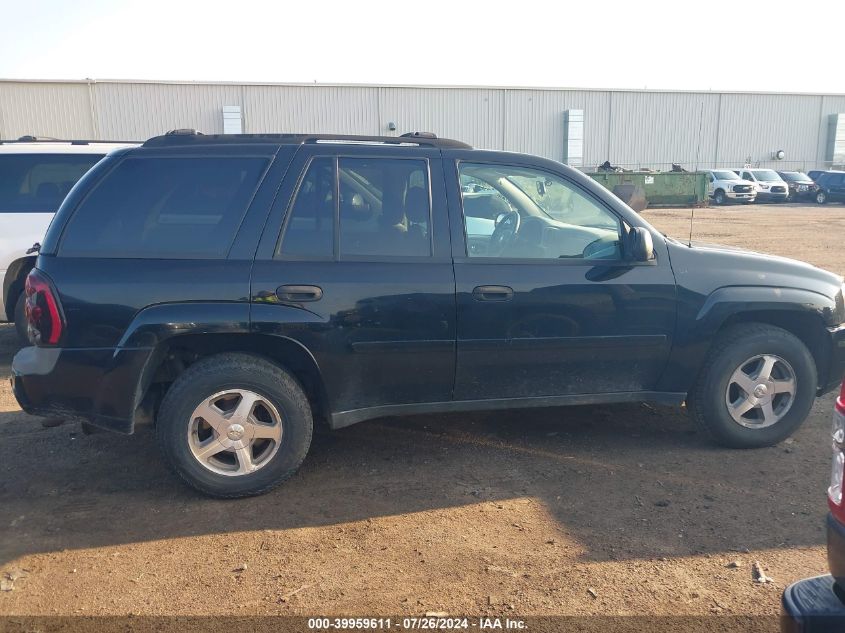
<point x="770" y="186"/>
<point x="35" y="176"/>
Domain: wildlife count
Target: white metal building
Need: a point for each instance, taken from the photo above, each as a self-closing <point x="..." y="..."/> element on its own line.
<point x="631" y="128"/>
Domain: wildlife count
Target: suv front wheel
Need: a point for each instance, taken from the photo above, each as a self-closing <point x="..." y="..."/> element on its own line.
<point x="234" y="425"/>
<point x="821" y="197"/>
<point x="756" y="387"/>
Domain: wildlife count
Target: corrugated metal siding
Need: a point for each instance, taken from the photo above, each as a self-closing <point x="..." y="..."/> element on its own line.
<point x="473" y="116"/>
<point x="655" y="128"/>
<point x="334" y="110"/>
<point x="139" y="111"/>
<point x="829" y="105"/>
<point x="754" y="126"/>
<point x="534" y="122"/>
<point x="57" y="110"/>
<point x="631" y="128"/>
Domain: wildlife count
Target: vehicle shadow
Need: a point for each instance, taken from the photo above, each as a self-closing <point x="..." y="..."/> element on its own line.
<point x="626" y="481"/>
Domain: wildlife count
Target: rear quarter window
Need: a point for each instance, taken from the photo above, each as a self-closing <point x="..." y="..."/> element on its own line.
<point x="37" y="183"/>
<point x="164" y="208"/>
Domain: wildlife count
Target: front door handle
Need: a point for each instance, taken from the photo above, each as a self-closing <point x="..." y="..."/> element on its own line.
<point x="299" y="294"/>
<point x="492" y="293"/>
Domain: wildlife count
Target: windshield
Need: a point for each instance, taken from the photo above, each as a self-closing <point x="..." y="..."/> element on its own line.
<point x="724" y="174"/>
<point x="39" y="182"/>
<point x="795" y="176"/>
<point x="766" y="175"/>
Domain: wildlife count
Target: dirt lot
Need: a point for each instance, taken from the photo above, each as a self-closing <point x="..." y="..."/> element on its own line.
<point x="612" y="510"/>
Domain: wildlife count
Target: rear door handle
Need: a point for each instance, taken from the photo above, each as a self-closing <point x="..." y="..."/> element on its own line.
<point x="492" y="293"/>
<point x="299" y="294"/>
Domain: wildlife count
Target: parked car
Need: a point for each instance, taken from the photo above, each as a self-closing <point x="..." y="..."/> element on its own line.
<point x="35" y="176"/>
<point x="770" y="187"/>
<point x="801" y="186"/>
<point x="234" y="289"/>
<point x="817" y="605"/>
<point x="725" y="186"/>
<point x="831" y="187"/>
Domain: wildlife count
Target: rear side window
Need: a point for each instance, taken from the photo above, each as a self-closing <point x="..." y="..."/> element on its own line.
<point x="37" y="183"/>
<point x="310" y="227"/>
<point x="384" y="207"/>
<point x="381" y="207"/>
<point x="164" y="208"/>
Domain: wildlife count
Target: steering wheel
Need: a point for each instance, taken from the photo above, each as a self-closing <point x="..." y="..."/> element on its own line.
<point x="507" y="226"/>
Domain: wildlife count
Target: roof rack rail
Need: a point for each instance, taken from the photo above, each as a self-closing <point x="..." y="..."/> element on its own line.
<point x="190" y="136"/>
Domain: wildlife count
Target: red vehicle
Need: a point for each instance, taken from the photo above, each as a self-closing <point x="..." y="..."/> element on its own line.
<point x="816" y="605"/>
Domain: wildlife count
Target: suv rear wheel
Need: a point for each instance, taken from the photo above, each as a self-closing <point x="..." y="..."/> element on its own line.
<point x="234" y="425"/>
<point x="756" y="387"/>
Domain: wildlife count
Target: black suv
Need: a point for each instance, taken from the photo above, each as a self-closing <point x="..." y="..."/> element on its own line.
<point x="234" y="289"/>
<point x="831" y="187"/>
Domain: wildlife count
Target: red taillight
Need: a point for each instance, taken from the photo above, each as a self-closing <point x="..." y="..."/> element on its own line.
<point x="837" y="475"/>
<point x="43" y="313"/>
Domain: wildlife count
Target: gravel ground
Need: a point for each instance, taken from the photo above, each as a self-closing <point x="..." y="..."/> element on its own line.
<point x="601" y="510"/>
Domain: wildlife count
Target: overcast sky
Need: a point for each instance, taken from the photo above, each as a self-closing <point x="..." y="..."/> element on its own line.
<point x="596" y="44"/>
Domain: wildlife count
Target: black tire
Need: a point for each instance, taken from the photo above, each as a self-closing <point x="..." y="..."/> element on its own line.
<point x="719" y="197"/>
<point x="211" y="375"/>
<point x="734" y="346"/>
<point x="20" y="320"/>
<point x="821" y="197"/>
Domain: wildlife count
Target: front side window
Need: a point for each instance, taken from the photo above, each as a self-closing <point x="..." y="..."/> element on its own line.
<point x="164" y="208"/>
<point x="518" y="212"/>
<point x="37" y="183"/>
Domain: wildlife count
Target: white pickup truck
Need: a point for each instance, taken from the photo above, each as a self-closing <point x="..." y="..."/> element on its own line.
<point x="35" y="176"/>
<point x="725" y="186"/>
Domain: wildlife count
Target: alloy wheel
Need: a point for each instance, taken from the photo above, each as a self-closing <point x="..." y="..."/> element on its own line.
<point x="761" y="391"/>
<point x="235" y="432"/>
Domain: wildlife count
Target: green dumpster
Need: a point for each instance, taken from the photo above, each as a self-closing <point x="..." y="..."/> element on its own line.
<point x="668" y="188"/>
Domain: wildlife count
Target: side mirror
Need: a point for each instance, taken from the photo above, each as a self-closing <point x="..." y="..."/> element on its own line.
<point x="640" y="245"/>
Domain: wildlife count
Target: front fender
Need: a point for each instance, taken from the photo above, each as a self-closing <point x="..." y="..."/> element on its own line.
<point x="728" y="301"/>
<point x="700" y="321"/>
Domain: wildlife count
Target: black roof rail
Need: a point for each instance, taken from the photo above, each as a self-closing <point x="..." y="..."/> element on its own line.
<point x="48" y="139"/>
<point x="192" y="137"/>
